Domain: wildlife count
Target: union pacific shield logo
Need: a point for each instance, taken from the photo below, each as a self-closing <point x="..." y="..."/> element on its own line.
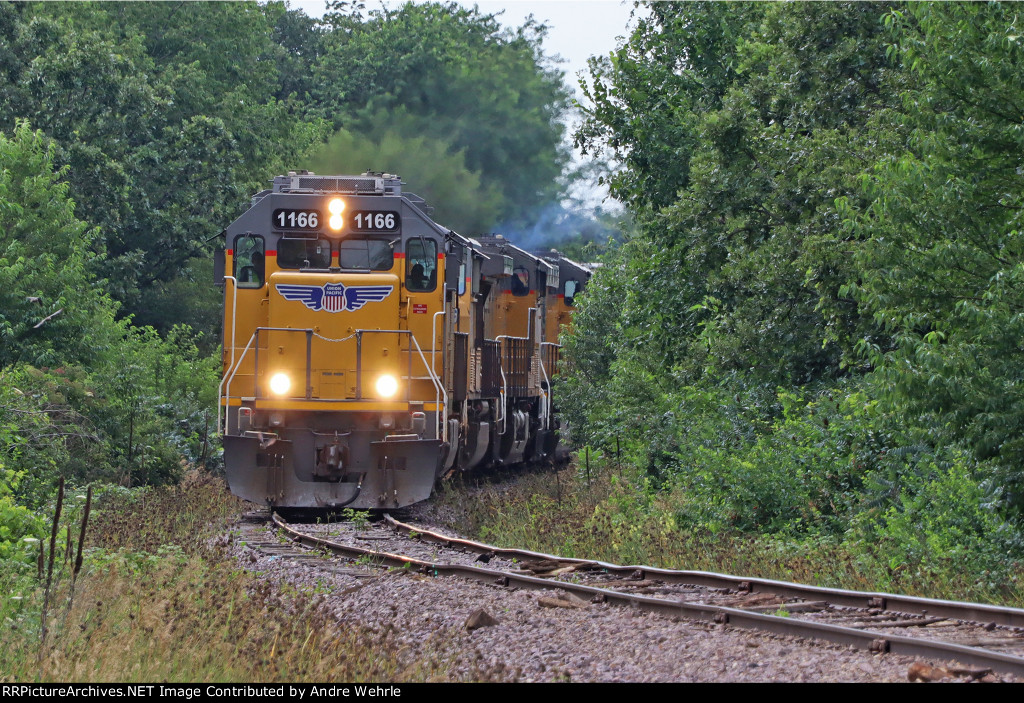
<point x="334" y="297"/>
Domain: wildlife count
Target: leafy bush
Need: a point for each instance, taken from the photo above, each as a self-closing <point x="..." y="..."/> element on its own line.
<point x="942" y="519"/>
<point x="18" y="525"/>
<point x="83" y="394"/>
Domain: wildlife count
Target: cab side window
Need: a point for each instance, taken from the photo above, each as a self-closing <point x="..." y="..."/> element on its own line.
<point x="571" y="287"/>
<point x="249" y="261"/>
<point x="421" y="265"/>
<point x="464" y="254"/>
<point x="520" y="281"/>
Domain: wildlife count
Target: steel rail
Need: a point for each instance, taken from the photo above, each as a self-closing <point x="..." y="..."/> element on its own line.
<point x="956" y="610"/>
<point x="865" y="639"/>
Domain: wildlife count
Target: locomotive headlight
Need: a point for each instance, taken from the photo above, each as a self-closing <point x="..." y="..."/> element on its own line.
<point x="336" y="206"/>
<point x="280" y="383"/>
<point x="387" y="386"/>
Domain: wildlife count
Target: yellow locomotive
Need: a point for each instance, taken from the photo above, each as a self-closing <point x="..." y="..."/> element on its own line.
<point x="369" y="351"/>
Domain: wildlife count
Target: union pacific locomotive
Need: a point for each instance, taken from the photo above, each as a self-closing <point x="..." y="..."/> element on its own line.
<point x="369" y="351"/>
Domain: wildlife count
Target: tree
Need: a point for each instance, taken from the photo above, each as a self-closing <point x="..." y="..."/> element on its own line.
<point x="942" y="265"/>
<point x="49" y="301"/>
<point x="739" y="126"/>
<point x="165" y="114"/>
<point x="452" y="75"/>
<point x="84" y="395"/>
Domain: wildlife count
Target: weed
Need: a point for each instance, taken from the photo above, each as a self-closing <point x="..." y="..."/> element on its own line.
<point x="359" y="518"/>
<point x="369" y="561"/>
<point x="620" y="519"/>
<point x="154" y="602"/>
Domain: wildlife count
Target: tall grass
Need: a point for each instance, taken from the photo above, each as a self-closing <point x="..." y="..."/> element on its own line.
<point x="615" y="516"/>
<point x="155" y="601"/>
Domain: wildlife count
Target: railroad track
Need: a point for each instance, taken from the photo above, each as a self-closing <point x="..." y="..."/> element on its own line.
<point x="979" y="637"/>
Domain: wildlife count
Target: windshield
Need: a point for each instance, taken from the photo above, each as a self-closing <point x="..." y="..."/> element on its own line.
<point x="372" y="254"/>
<point x="304" y="253"/>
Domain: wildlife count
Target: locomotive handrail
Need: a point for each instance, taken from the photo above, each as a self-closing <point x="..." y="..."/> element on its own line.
<point x="234" y="313"/>
<point x="440" y="395"/>
<point x="546" y="378"/>
<point x="433" y="369"/>
<point x="547" y="394"/>
<point x="503" y="393"/>
<point x="504" y="383"/>
<point x="225" y="394"/>
<point x="433" y="341"/>
<point x="234" y="329"/>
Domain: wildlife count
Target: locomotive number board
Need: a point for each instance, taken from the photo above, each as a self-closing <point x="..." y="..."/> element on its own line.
<point x="307" y="220"/>
<point x="374" y="221"/>
<point x="303" y="220"/>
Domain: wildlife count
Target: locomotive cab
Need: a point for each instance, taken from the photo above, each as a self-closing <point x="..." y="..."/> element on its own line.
<point x="561" y="299"/>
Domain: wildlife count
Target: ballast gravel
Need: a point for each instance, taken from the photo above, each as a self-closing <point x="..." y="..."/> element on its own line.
<point x="532" y="641"/>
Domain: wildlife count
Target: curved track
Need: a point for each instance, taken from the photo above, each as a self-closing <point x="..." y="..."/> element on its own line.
<point x="969" y="633"/>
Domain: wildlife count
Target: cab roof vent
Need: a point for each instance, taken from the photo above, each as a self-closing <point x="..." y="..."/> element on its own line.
<point x="367" y="184"/>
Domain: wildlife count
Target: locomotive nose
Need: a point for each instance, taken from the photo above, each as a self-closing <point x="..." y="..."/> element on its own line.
<point x="346" y="353"/>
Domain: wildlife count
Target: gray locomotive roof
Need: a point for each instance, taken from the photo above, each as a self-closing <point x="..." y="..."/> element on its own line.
<point x="556" y="256"/>
<point x="382" y="184"/>
<point x="365" y="184"/>
<point x="499" y="243"/>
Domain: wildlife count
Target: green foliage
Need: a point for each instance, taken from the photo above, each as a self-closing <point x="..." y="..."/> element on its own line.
<point x="165" y="116"/>
<point x="20" y="529"/>
<point x="48" y="298"/>
<point x="433" y="168"/>
<point x="613" y="515"/>
<point x="940" y="266"/>
<point x="83" y="394"/>
<point x="821" y="190"/>
<point x="49" y="431"/>
<point x="942" y="519"/>
<point x="740" y="126"/>
<point x="359" y="518"/>
<point x="188" y="300"/>
<point x="153" y="602"/>
<point x="168" y="116"/>
<point x="647" y="97"/>
<point x="156" y="405"/>
<point x="487" y="93"/>
<point x="741" y="278"/>
<point x="140" y="418"/>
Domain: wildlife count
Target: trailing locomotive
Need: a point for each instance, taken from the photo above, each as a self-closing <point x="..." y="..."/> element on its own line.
<point x="369" y="351"/>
